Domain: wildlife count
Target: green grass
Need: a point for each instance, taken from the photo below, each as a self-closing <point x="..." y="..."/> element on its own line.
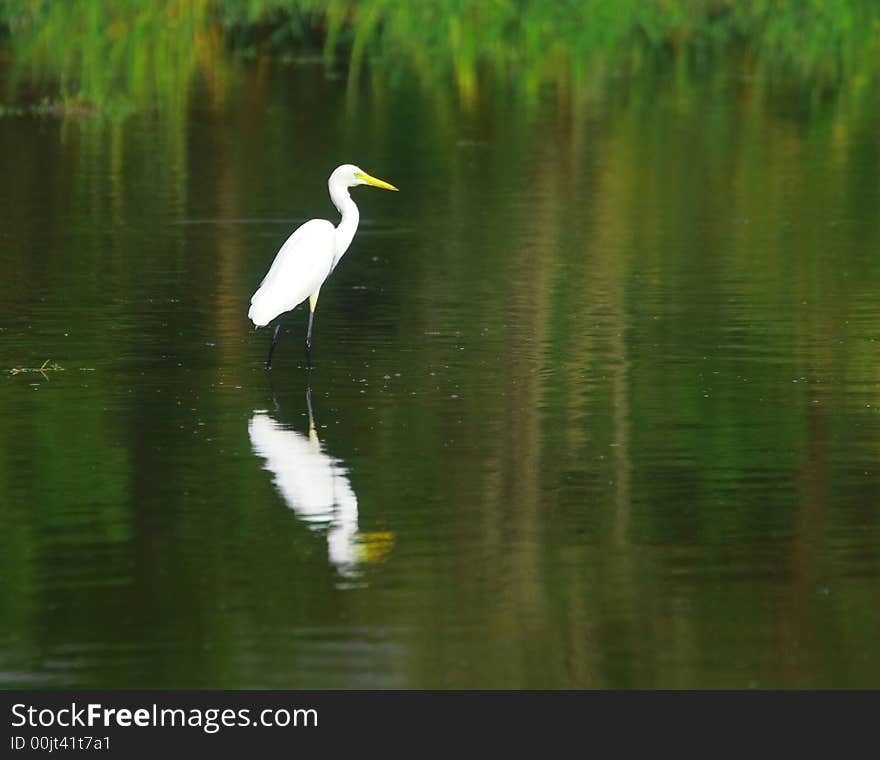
<point x="115" y="55"/>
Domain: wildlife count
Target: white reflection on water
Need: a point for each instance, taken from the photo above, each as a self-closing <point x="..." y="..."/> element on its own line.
<point x="316" y="487"/>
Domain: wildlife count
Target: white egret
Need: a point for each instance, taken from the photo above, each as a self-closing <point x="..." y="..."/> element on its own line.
<point x="309" y="255"/>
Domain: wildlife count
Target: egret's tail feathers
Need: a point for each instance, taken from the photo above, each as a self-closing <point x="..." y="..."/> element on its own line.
<point x="259" y="314"/>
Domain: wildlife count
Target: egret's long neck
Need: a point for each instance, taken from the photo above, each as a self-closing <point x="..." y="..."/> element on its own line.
<point x="350" y="217"/>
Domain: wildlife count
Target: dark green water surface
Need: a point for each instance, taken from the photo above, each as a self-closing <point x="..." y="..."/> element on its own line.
<point x="596" y="394"/>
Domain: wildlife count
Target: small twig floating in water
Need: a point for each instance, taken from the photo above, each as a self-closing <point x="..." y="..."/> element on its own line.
<point x="46" y="366"/>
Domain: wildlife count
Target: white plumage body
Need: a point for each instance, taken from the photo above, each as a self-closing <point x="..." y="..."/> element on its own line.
<point x="299" y="269"/>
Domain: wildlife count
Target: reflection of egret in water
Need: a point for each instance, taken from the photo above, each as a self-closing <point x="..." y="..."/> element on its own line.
<point x="316" y="487"/>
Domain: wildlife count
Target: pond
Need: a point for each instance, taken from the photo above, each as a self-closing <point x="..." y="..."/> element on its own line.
<point x="595" y="399"/>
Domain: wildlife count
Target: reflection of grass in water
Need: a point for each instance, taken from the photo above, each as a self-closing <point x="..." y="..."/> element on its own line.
<point x="49" y="107"/>
<point x="117" y="53"/>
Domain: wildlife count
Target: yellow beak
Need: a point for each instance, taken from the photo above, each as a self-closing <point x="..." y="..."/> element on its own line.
<point x="374" y="182"/>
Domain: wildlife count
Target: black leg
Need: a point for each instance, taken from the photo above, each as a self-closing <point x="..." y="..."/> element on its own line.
<point x="309" y="335"/>
<point x="272" y="345"/>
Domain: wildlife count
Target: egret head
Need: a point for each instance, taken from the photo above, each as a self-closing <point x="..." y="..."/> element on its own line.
<point x="349" y="175"/>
